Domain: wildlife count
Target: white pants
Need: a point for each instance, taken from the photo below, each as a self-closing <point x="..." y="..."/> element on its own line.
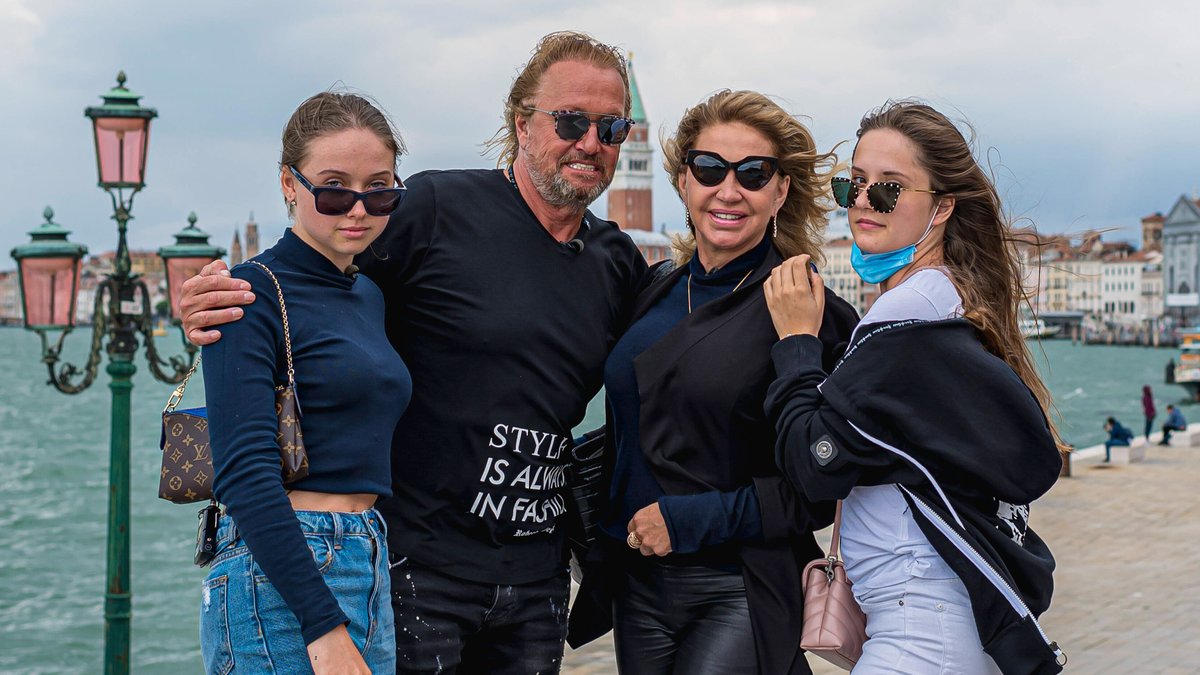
<point x="922" y="626"/>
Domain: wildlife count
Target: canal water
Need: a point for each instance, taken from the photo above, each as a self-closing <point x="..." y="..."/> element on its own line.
<point x="54" y="481"/>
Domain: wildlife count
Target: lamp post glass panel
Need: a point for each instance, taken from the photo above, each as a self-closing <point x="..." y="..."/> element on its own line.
<point x="49" y="272"/>
<point x="49" y="275"/>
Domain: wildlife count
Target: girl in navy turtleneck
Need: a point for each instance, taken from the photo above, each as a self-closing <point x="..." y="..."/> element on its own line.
<point x="300" y="580"/>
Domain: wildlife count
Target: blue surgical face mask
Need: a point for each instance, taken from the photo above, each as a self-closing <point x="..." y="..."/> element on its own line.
<point x="876" y="268"/>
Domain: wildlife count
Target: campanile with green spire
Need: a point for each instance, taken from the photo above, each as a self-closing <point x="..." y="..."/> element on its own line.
<point x="629" y="195"/>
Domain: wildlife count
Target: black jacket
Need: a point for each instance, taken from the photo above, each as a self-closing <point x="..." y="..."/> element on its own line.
<point x="923" y="405"/>
<point x="703" y="428"/>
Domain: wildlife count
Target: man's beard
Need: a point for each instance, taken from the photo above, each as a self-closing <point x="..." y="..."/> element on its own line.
<point x="557" y="191"/>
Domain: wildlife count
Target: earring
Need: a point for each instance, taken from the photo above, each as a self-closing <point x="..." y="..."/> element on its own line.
<point x="687" y="219"/>
<point x="775" y="226"/>
<point x="292" y="203"/>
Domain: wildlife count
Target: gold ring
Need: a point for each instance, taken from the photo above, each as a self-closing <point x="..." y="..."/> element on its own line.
<point x="633" y="540"/>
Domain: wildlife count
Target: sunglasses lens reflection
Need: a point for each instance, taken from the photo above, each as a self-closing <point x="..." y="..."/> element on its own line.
<point x="335" y="202"/>
<point x="382" y="203"/>
<point x="613" y="130"/>
<point x="883" y="196"/>
<point x="755" y="174"/>
<point x="571" y="126"/>
<point x="844" y="192"/>
<point x="709" y="171"/>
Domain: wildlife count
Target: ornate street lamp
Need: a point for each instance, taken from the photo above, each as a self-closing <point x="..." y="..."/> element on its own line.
<point x="185" y="258"/>
<point x="49" y="274"/>
<point x="121" y="310"/>
<point x="122" y="131"/>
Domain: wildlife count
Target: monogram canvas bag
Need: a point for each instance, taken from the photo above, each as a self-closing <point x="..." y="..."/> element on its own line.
<point x="834" y="625"/>
<point x="187" y="469"/>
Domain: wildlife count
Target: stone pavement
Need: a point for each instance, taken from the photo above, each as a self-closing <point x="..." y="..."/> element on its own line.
<point x="1127" y="542"/>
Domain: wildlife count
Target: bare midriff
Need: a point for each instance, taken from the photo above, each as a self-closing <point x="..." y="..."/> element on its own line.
<point x="303" y="500"/>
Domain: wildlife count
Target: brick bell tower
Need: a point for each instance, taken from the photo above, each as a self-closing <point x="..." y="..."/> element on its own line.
<point x="629" y="202"/>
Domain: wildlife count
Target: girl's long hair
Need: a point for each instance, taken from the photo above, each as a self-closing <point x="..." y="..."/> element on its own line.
<point x="979" y="243"/>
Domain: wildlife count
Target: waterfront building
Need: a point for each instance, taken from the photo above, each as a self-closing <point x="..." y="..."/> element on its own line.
<point x="11" y="311"/>
<point x="148" y="264"/>
<point x="1121" y="288"/>
<point x="1181" y="260"/>
<point x="840" y="276"/>
<point x="630" y="195"/>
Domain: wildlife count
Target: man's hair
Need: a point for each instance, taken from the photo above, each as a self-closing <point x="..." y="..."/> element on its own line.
<point x="551" y="49"/>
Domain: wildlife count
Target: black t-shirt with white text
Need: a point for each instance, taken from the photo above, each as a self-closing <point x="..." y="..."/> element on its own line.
<point x="505" y="331"/>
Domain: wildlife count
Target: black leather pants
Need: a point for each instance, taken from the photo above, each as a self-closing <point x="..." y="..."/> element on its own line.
<point x="683" y="620"/>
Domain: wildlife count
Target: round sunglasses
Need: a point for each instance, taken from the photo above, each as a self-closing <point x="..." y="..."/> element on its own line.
<point x="752" y="173"/>
<point x="336" y="201"/>
<point x="882" y="196"/>
<point x="572" y="125"/>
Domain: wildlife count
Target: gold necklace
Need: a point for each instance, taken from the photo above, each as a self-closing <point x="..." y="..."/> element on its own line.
<point x="689" y="288"/>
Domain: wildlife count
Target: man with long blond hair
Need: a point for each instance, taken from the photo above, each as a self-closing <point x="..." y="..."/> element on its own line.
<point x="504" y="295"/>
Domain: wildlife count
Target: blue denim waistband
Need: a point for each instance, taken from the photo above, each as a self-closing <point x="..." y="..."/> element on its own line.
<point x="334" y="524"/>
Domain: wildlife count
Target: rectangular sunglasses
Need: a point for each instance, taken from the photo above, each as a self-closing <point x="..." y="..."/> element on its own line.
<point x="571" y="125"/>
<point x="337" y="201"/>
<point x="882" y="196"/>
<point x="709" y="169"/>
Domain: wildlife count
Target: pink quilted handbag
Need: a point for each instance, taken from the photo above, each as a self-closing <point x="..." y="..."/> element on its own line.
<point x="834" y="625"/>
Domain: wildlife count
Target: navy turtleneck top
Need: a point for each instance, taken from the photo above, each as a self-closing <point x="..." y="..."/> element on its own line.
<point x="352" y="388"/>
<point x="699" y="522"/>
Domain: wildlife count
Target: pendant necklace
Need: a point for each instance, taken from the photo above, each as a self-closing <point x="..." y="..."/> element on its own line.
<point x="735" y="288"/>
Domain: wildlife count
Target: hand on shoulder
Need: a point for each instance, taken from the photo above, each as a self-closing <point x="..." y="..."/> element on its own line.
<point x="212" y="298"/>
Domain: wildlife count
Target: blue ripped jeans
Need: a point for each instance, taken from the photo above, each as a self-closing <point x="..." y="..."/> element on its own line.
<point x="449" y="625"/>
<point x="245" y="627"/>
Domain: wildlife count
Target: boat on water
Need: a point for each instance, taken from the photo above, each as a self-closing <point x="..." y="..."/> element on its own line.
<point x="1187" y="372"/>
<point x="1036" y="328"/>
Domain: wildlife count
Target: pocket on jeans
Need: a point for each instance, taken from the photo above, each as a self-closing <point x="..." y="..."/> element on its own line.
<point x="322" y="551"/>
<point x="215" y="646"/>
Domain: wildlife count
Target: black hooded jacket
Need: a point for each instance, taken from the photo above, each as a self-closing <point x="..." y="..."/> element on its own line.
<point x="923" y="405"/>
<point x="703" y="428"/>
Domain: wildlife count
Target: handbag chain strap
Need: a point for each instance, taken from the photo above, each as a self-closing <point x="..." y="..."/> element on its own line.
<point x="177" y="395"/>
<point x="287" y="333"/>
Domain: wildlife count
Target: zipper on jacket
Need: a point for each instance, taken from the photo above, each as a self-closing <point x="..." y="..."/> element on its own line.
<point x="977" y="559"/>
<point x="993" y="576"/>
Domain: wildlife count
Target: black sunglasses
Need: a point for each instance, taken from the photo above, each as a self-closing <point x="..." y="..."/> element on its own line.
<point x="709" y="168"/>
<point x="336" y="201"/>
<point x="881" y="196"/>
<point x="571" y="125"/>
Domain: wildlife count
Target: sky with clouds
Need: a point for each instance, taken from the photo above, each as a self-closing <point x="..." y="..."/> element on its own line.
<point x="1087" y="111"/>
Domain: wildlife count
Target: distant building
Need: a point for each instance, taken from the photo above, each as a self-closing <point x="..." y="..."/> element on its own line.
<point x="1152" y="232"/>
<point x="235" y="250"/>
<point x="11" y="311"/>
<point x="840" y="277"/>
<point x="236" y="255"/>
<point x="147" y="264"/>
<point x="630" y="195"/>
<point x="1181" y="260"/>
<point x="251" y="237"/>
<point x="1121" y="288"/>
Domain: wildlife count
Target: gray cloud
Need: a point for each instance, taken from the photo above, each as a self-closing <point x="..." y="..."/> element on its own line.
<point x="1090" y="106"/>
